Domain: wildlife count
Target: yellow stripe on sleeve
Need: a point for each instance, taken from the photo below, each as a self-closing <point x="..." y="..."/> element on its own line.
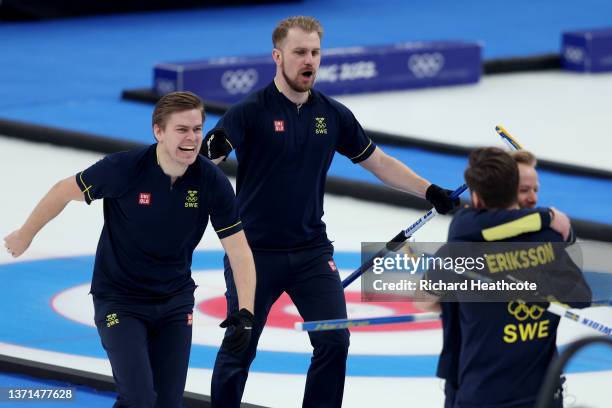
<point x="364" y="150"/>
<point x="226" y="228"/>
<point x="528" y="223"/>
<point x="85" y="185"/>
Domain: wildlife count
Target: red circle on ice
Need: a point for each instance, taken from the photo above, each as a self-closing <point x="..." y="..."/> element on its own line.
<point x="280" y="317"/>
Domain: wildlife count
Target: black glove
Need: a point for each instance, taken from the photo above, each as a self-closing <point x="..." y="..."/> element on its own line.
<point x="440" y="199"/>
<point x="238" y="334"/>
<point x="216" y="145"/>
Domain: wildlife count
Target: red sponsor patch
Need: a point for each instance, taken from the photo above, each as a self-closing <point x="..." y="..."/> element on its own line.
<point x="189" y="319"/>
<point x="279" y="126"/>
<point x="332" y="265"/>
<point x="144" y="198"/>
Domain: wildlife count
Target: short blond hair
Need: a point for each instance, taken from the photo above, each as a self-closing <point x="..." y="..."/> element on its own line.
<point x="308" y="24"/>
<point x="524" y="157"/>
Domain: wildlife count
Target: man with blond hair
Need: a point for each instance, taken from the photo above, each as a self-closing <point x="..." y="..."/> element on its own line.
<point x="285" y="137"/>
<point x="529" y="184"/>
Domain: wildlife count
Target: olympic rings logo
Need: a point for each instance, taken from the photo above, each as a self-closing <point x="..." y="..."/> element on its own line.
<point x="426" y="65"/>
<point x="521" y="311"/>
<point x="240" y="81"/>
<point x="192" y="196"/>
<point x="574" y="55"/>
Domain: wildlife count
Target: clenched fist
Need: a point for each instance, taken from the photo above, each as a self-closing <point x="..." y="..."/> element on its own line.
<point x="17" y="242"/>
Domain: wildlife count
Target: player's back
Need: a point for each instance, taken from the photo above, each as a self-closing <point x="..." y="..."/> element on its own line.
<point x="506" y="347"/>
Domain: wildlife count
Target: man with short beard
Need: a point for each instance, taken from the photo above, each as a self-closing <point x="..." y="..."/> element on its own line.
<point x="529" y="184"/>
<point x="285" y="137"/>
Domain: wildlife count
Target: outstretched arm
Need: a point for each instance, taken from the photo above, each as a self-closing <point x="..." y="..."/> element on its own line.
<point x="48" y="208"/>
<point x="243" y="267"/>
<point x="395" y="174"/>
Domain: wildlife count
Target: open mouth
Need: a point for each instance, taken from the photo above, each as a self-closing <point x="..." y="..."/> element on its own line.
<point x="307" y="74"/>
<point x="187" y="148"/>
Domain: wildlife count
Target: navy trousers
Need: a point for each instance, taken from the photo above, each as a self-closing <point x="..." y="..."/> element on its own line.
<point x="310" y="278"/>
<point x="148" y="346"/>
